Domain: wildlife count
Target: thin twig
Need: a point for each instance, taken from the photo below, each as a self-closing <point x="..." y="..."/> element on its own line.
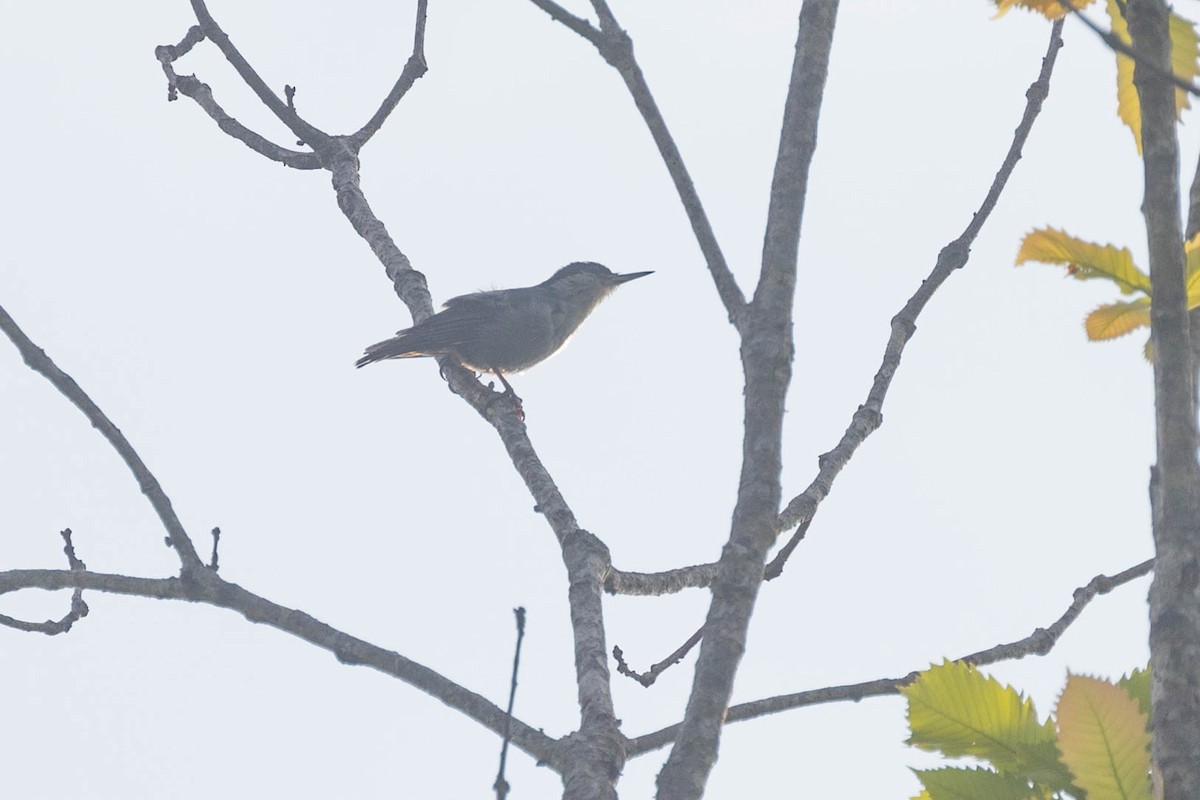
<point x="303" y="130"/>
<point x="1040" y="642"/>
<point x="1115" y="43"/>
<point x="775" y="568"/>
<point x="578" y="24"/>
<point x="869" y="416"/>
<point x="214" y="563"/>
<point x="695" y="575"/>
<point x="501" y="785"/>
<point x="201" y="93"/>
<point x="78" y="610"/>
<point x="648" y="678"/>
<point x="617" y="49"/>
<point x="51" y="627"/>
<point x="42" y="364"/>
<point x="168" y="53"/>
<point x="73" y="561"/>
<point x="414" y="68"/>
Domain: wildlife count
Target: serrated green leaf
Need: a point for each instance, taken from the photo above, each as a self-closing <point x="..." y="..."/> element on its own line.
<point x="1137" y="685"/>
<point x="953" y="783"/>
<point x="954" y="709"/>
<point x="1084" y="260"/>
<point x="1103" y="738"/>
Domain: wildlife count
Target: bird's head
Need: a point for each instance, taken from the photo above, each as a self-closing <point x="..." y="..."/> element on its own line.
<point x="588" y="281"/>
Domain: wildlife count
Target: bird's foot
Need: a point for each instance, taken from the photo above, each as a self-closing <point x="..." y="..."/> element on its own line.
<point x="510" y="396"/>
<point x="518" y="406"/>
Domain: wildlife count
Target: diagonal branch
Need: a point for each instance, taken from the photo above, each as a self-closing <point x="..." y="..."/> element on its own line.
<point x="272" y="101"/>
<point x="41" y="363"/>
<point x="1116" y="45"/>
<point x="569" y="20"/>
<point x="869" y="416"/>
<point x="212" y="590"/>
<point x="202" y="94"/>
<point x="1040" y="642"/>
<point x="616" y="47"/>
<point x="413" y="70"/>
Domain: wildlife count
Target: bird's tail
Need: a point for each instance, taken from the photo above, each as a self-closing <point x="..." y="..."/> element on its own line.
<point x="396" y="347"/>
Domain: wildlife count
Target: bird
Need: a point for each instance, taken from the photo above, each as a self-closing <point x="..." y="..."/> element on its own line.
<point x="507" y="330"/>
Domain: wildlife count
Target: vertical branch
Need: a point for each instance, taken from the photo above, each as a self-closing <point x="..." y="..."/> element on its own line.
<point x="766" y="361"/>
<point x="501" y="785"/>
<point x="1175" y="593"/>
<point x="596" y="752"/>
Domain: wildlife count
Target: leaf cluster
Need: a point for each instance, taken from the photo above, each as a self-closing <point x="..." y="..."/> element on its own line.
<point x="1086" y="260"/>
<point x="1096" y="746"/>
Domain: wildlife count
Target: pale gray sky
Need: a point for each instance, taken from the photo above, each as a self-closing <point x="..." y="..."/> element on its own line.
<point x="213" y="304"/>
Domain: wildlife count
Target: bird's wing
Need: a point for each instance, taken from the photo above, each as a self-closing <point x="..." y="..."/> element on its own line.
<point x="474" y="303"/>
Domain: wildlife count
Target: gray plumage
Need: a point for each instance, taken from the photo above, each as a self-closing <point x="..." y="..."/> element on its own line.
<point x="507" y="330"/>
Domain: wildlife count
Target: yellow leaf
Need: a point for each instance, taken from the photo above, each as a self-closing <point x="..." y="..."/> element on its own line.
<point x="1191" y="249"/>
<point x="1185" y="63"/>
<point x="1117" y="319"/>
<point x="1185" y="57"/>
<point x="1051" y="9"/>
<point x="1084" y="260"/>
<point x="1103" y="738"/>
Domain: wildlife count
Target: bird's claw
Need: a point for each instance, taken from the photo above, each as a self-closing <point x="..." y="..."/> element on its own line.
<point x="511" y="396"/>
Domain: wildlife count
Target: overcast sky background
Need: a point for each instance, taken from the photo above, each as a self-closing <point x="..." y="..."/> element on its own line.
<point x="213" y="303"/>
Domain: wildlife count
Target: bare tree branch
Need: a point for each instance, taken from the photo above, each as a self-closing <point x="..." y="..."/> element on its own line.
<point x="78" y="610"/>
<point x="1040" y="642"/>
<point x="41" y="363"/>
<point x="659" y="583"/>
<point x="303" y="130"/>
<point x="501" y="784"/>
<point x="598" y="743"/>
<point x="414" y="68"/>
<point x="869" y="416"/>
<point x="212" y="590"/>
<point x="1114" y="43"/>
<point x="408" y="283"/>
<point x="648" y="677"/>
<point x="566" y="18"/>
<point x="766" y="331"/>
<point x="192" y="87"/>
<point x="616" y="47"/>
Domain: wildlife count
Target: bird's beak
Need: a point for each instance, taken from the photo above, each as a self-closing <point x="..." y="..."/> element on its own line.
<point x="632" y="276"/>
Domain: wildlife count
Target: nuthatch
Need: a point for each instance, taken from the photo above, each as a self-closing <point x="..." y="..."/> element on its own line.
<point x="507" y="330"/>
